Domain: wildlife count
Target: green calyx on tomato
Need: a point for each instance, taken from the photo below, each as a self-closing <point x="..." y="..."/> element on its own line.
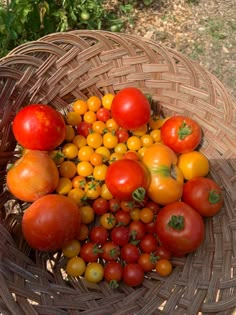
<point x="184" y="131"/>
<point x="176" y="222"/>
<point x="214" y="196"/>
<point x="162" y="170"/>
<point x="139" y="194"/>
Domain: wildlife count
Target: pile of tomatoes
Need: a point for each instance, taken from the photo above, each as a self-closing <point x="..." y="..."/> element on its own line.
<point x="116" y="188"/>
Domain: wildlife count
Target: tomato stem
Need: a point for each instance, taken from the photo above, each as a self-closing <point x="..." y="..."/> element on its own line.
<point x="139" y="194"/>
<point x="214" y="196"/>
<point x="184" y="131"/>
<point x="113" y="284"/>
<point x="161" y="170"/>
<point x="176" y="222"/>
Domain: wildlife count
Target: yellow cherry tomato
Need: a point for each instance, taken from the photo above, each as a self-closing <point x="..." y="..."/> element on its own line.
<point x="107" y="100"/>
<point x="99" y="172"/>
<point x="99" y="126"/>
<point x="94" y="140"/>
<point x="87" y="214"/>
<point x="90" y="117"/>
<point x="146" y="140"/>
<point x="121" y="148"/>
<point x="64" y="186"/>
<point x="73" y="118"/>
<point x="75" y="266"/>
<point x="193" y="164"/>
<point x="80" y="141"/>
<point x="85" y="152"/>
<point x="94" y="103"/>
<point x="80" y="107"/>
<point x="92" y="189"/>
<point x="67" y="169"/>
<point x="140" y="131"/>
<point x="111" y="125"/>
<point x="94" y="272"/>
<point x="135" y="214"/>
<point x="71" y="248"/>
<point x="70" y="133"/>
<point x="105" y="152"/>
<point x="105" y="193"/>
<point x="110" y="140"/>
<point x="78" y="181"/>
<point x="115" y="156"/>
<point x="70" y="150"/>
<point x="141" y="152"/>
<point x="156" y="135"/>
<point x="78" y="195"/>
<point x="134" y="143"/>
<point x="84" y="168"/>
<point x="108" y="220"/>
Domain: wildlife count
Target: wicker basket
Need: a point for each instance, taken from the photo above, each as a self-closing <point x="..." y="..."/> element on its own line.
<point x="62" y="67"/>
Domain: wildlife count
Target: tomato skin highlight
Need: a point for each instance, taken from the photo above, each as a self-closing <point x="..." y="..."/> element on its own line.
<point x="204" y="195"/>
<point x="182" y="134"/>
<point x="180" y="228"/>
<point x="124" y="177"/>
<point x="130" y="108"/>
<point x="32" y="176"/>
<point x="50" y="222"/>
<point x="39" y="127"/>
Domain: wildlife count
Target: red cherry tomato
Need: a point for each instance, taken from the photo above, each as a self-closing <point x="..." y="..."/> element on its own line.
<point x="130" y="108"/>
<point x="133" y="274"/>
<point x="39" y="127"/>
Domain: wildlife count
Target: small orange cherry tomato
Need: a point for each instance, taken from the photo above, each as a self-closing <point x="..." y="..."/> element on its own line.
<point x="90" y="117"/>
<point x="87" y="214"/>
<point x="94" y="103"/>
<point x="75" y="266"/>
<point x="96" y="159"/>
<point x="146" y="215"/>
<point x="64" y="186"/>
<point x="164" y="267"/>
<point x="67" y="169"/>
<point x="134" y="143"/>
<point x="108" y="220"/>
<point x="94" y="140"/>
<point x="80" y="107"/>
<point x="71" y="248"/>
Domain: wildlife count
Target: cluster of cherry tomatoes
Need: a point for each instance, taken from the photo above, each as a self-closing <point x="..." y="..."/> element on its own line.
<point x="129" y="187"/>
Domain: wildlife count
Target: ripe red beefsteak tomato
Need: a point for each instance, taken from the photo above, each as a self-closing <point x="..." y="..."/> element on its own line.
<point x="39" y="127"/>
<point x="32" y="176"/>
<point x="180" y="228"/>
<point x="50" y="222"/>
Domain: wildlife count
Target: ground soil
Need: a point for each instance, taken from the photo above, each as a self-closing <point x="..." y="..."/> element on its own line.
<point x="203" y="30"/>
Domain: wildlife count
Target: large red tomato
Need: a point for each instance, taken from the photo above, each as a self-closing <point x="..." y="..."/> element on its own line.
<point x="50" y="222"/>
<point x="204" y="195"/>
<point x="32" y="176"/>
<point x="182" y="134"/>
<point x="127" y="179"/>
<point x="39" y="127"/>
<point x="130" y="108"/>
<point x="179" y="228"/>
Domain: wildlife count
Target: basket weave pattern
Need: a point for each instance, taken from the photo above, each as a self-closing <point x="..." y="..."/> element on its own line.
<point x="63" y="67"/>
